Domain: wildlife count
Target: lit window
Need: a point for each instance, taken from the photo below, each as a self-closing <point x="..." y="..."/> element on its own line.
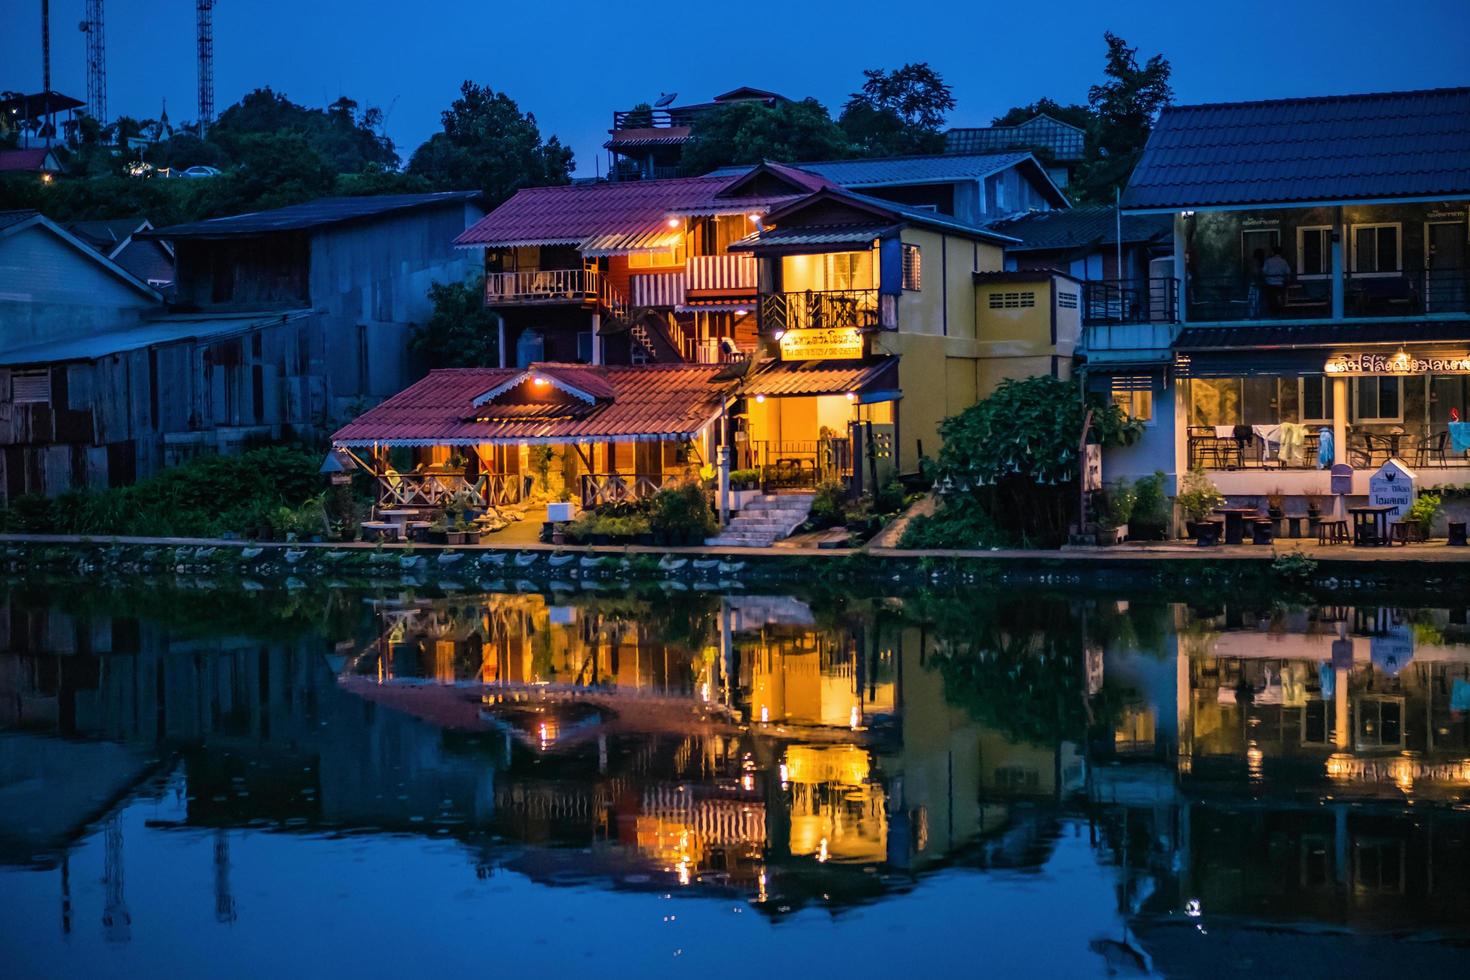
<point x="912" y="268"/>
<point x="1135" y="397"/>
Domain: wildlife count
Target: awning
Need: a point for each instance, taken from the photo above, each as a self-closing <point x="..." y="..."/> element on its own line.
<point x="1274" y="349"/>
<point x="648" y="239"/>
<point x="814" y="238"/>
<point x="871" y="381"/>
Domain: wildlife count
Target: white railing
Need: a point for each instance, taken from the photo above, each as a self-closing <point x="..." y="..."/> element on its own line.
<point x="541" y="286"/>
<point x="430" y="490"/>
<point x="657" y="289"/>
<point x="722" y="273"/>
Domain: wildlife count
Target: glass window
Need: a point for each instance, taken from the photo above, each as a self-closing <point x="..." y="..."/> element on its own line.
<point x="1214" y="401"/>
<point x="912" y="270"/>
<point x="1380" y="399"/>
<point x="1376" y="249"/>
<point x="1137" y="404"/>
<point x="1314" y="251"/>
<point x="1316" y="398"/>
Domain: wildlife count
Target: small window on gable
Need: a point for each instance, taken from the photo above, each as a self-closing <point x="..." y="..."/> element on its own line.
<point x="912" y="268"/>
<point x="30" y="388"/>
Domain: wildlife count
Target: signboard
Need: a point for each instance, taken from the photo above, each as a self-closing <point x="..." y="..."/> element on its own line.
<point x="1092" y="467"/>
<point x="1393" y="485"/>
<point x="1342" y="478"/>
<point x="1390" y="365"/>
<point x="821" y="344"/>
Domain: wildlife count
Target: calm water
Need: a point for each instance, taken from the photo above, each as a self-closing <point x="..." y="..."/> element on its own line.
<point x="329" y="783"/>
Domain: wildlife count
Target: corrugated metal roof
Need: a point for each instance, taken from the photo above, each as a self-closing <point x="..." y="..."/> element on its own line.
<point x="1064" y="141"/>
<point x="8" y="218"/>
<point x="870" y="215"/>
<point x="656" y="236"/>
<point x="1348" y="334"/>
<point x="647" y="136"/>
<point x="938" y="168"/>
<point x="856" y="236"/>
<point x="170" y="330"/>
<point x="312" y="214"/>
<point x="1080" y="227"/>
<point x="1338" y="148"/>
<point x="823" y="377"/>
<point x="586" y="213"/>
<point x="646" y="402"/>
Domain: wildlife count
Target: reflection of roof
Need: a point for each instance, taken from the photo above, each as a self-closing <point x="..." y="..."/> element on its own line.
<point x="1064" y="141"/>
<point x="312" y="214"/>
<point x="466" y="406"/>
<point x="824" y="377"/>
<point x="1088" y="226"/>
<point x="152" y="334"/>
<point x="1338" y="148"/>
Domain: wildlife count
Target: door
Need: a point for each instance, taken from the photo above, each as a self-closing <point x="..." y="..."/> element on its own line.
<point x="1445" y="276"/>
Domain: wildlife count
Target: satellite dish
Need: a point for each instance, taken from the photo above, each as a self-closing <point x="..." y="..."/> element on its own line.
<point x="665" y="99"/>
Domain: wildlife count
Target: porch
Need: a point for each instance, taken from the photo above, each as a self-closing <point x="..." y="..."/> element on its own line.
<point x="545" y="286"/>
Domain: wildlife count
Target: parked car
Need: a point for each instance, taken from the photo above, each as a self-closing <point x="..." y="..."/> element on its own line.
<point x="200" y="170"/>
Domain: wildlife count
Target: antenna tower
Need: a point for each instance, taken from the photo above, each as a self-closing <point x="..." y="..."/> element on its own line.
<point x="96" y="62"/>
<point x="205" y="10"/>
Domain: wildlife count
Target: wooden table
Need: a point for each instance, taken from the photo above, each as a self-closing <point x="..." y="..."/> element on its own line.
<point x="1370" y="524"/>
<point x="1235" y="522"/>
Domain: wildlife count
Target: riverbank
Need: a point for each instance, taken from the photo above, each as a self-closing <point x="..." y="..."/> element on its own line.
<point x="1300" y="565"/>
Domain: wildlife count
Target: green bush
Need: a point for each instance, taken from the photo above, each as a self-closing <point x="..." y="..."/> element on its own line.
<point x="890" y="498"/>
<point x="203" y="497"/>
<point x="745" y="479"/>
<point x="1425" y="509"/>
<point x="829" y="505"/>
<point x="683" y="513"/>
<point x="1150" y="517"/>
<point x="971" y="527"/>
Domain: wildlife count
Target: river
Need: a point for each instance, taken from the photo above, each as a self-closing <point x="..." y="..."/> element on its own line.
<point x="198" y="782"/>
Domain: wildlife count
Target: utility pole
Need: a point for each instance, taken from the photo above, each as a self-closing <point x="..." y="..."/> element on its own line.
<point x="205" y="11"/>
<point x="96" y="62"/>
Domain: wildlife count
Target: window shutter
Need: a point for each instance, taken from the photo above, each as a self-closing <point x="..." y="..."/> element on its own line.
<point x="32" y="387"/>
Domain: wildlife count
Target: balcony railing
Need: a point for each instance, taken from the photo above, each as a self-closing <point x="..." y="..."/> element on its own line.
<point x="722" y="274"/>
<point x="1413" y="292"/>
<point x="827" y="309"/>
<point x="1112" y="301"/>
<point x="541" y="286"/>
<point x="599" y="489"/>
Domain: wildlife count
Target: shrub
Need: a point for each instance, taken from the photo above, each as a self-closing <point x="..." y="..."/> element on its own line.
<point x="890" y="498"/>
<point x="1118" y="504"/>
<point x="682" y="512"/>
<point x="1197" y="496"/>
<point x="745" y="479"/>
<point x="1150" y="517"/>
<point x="1426" y="508"/>
<point x="828" y="505"/>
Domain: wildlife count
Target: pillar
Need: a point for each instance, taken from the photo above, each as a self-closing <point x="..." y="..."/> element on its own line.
<point x="503" y="353"/>
<point x="596" y="338"/>
<point x="1180" y="253"/>
<point x="1339" y="420"/>
<point x="1338" y="273"/>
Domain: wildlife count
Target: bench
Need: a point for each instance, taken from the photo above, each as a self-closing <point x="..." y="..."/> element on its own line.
<point x="1332" y="531"/>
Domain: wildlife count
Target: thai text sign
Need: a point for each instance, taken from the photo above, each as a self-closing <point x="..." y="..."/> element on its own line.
<point x="821" y="344"/>
<point x="1392" y="485"/>
<point x="1400" y="363"/>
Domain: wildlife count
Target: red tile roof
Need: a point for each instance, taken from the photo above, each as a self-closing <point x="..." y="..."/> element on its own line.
<point x="573" y="214"/>
<point x="450" y="407"/>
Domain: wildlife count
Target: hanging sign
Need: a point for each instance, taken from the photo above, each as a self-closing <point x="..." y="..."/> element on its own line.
<point x="1396" y="364"/>
<point x="1392" y="485"/>
<point x="1092" y="467"/>
<point x="831" y="343"/>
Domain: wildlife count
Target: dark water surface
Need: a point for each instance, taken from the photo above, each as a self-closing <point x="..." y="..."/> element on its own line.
<point x="221" y="783"/>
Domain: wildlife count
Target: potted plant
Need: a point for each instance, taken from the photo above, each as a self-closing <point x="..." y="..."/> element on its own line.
<point x="1426" y="507"/>
<point x="1276" y="504"/>
<point x="1149" y="518"/>
<point x="1314" y="507"/>
<point x="1197" y="498"/>
<point x="1117" y="507"/>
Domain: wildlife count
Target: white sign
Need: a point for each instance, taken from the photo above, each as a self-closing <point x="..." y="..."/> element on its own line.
<point x="1393" y="485"/>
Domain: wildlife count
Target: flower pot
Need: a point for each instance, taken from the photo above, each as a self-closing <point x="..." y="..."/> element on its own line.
<point x="1205" y="532"/>
<point x="454" y="537"/>
<point x="557" y="537"/>
<point x="472" y="537"/>
<point x="1107" y="536"/>
<point x="438" y="537"/>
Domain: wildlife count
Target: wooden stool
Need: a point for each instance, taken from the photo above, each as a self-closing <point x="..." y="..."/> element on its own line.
<point x="1402" y="532"/>
<point x="1332" y="532"/>
<point x="1262" y="530"/>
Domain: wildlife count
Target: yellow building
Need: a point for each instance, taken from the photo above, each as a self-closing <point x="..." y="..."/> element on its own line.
<point x="885" y="319"/>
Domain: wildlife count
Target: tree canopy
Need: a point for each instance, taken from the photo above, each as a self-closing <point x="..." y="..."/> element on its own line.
<point x="749" y="132"/>
<point x="1117" y="118"/>
<point x="898" y="112"/>
<point x="461" y="332"/>
<point x="488" y="144"/>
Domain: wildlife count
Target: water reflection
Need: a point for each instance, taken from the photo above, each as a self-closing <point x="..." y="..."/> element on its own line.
<point x="1233" y="771"/>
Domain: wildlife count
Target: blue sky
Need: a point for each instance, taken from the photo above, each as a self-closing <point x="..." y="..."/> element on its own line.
<point x="573" y="62"/>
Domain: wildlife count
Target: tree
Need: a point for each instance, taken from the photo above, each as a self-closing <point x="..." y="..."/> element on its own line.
<point x="339" y="134"/>
<point x="1012" y="457"/>
<point x="899" y="111"/>
<point x="461" y="332"/>
<point x="488" y="144"/>
<point x="749" y="132"/>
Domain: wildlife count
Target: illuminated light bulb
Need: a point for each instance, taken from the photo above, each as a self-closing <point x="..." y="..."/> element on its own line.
<point x="741" y="311"/>
<point x="777" y="335"/>
<point x="539" y="382"/>
<point x="673" y="222"/>
<point x="852" y="396"/>
<point x="747" y="782"/>
<point x="760" y="399"/>
<point x="753" y="216"/>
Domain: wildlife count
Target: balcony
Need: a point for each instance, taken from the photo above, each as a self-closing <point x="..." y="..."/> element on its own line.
<point x="1412" y="293"/>
<point x="862" y="309"/>
<point x="1130" y="301"/>
<point x="545" y="286"/>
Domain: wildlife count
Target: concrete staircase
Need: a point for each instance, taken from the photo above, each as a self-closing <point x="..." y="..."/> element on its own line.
<point x="764" y="521"/>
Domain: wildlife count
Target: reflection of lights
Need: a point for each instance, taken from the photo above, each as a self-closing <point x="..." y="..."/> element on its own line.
<point x="765" y="714"/>
<point x="822" y="851"/>
<point x="547" y="734"/>
<point x="747" y="782"/>
<point x="1341" y="766"/>
<point x="853" y="718"/>
<point x="1192" y="908"/>
<point x="783" y="775"/>
<point x="704" y="691"/>
<point x="761" y="886"/>
<point x="1253" y="759"/>
<point x="1402" y="771"/>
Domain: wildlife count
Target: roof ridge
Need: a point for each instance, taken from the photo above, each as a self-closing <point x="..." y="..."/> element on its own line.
<point x="1309" y="99"/>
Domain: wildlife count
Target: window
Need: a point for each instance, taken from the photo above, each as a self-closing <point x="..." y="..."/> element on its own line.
<point x="1135" y="396"/>
<point x="1376" y="249"/>
<point x="1316" y="398"/>
<point x="1261" y="240"/>
<point x="659" y="258"/>
<point x="1012" y="301"/>
<point x="1066" y="301"/>
<point x="1380" y="399"/>
<point x="30" y="388"/>
<point x="849" y="270"/>
<point x="1314" y="251"/>
<point x="912" y="268"/>
<point x="1380" y="723"/>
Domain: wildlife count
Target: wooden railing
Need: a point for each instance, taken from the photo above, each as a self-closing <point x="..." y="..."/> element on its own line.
<point x="825" y="309"/>
<point x="599" y="489"/>
<point x="722" y="273"/>
<point x="801" y="463"/>
<point x="430" y="490"/>
<point x="541" y="286"/>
